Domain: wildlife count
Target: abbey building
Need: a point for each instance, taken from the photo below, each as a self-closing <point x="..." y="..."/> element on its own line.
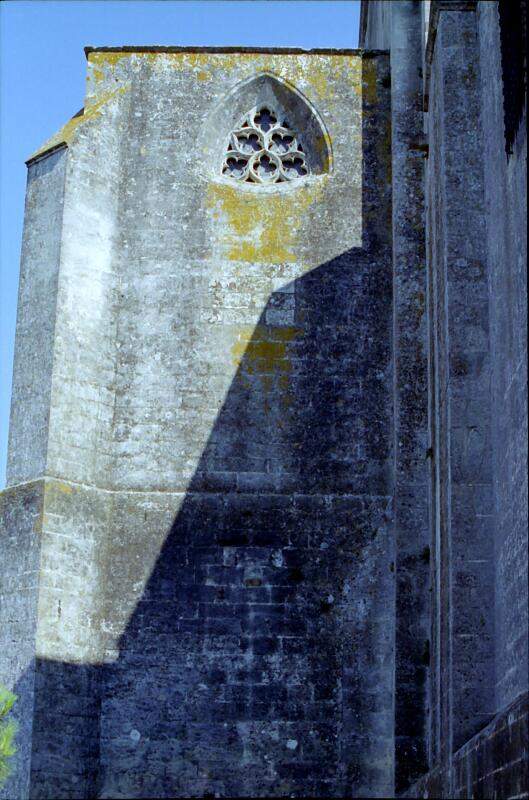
<point x="265" y="530"/>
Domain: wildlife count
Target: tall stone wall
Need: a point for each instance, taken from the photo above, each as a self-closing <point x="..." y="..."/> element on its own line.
<point x="217" y="574"/>
<point x="476" y="289"/>
<point x="460" y="386"/>
<point x="476" y="194"/>
<point x="493" y="763"/>
<point x="21" y="520"/>
<point x="37" y="300"/>
<point x="505" y="177"/>
<point x="397" y="26"/>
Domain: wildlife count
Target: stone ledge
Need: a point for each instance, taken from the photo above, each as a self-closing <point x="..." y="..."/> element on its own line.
<point x="491" y="764"/>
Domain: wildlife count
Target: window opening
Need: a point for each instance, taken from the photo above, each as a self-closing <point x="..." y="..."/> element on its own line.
<point x="264" y="149"/>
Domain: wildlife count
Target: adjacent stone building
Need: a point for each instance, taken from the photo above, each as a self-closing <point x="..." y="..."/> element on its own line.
<point x="265" y="530"/>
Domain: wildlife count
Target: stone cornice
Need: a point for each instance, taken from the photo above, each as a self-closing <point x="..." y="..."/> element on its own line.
<point x="329" y="51"/>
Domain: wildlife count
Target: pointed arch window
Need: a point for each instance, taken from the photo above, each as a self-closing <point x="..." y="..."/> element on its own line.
<point x="264" y="149"/>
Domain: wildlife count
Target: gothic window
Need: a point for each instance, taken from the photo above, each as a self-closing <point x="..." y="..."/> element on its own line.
<point x="264" y="149"/>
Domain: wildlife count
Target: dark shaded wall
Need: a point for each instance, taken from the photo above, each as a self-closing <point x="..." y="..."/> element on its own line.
<point x="412" y="633"/>
<point x="505" y="177"/>
<point x="460" y="388"/>
<point x="491" y="764"/>
<point x="475" y="225"/>
<point x="477" y="233"/>
<point x="21" y="521"/>
<point x="397" y="27"/>
<point x="258" y="660"/>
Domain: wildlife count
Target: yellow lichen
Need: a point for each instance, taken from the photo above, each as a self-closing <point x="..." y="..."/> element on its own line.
<point x="319" y="81"/>
<point x="266" y="351"/>
<point x="39" y="522"/>
<point x="322" y="73"/>
<point x="369" y="81"/>
<point x="65" y="488"/>
<point x="319" y="73"/>
<point x="261" y="228"/>
<point x="97" y="74"/>
<point x="111" y="59"/>
<point x="323" y="146"/>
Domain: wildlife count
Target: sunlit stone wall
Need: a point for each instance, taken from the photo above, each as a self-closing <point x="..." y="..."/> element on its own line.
<point x="216" y="588"/>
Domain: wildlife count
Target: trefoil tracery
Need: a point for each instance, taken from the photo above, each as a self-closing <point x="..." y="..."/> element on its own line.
<point x="264" y="150"/>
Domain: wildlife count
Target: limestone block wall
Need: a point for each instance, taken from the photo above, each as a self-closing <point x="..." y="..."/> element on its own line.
<point x="215" y="593"/>
<point x="61" y="413"/>
<point x="247" y="325"/>
<point x="476" y="225"/>
<point x="505" y="179"/>
<point x="21" y="521"/>
<point x="460" y="387"/>
<point x="493" y="763"/>
<point x="28" y="433"/>
<point x="397" y="26"/>
<point x="473" y="709"/>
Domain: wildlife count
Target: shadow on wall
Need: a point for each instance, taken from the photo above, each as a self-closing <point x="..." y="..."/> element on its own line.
<point x="259" y="661"/>
<point x="263" y="634"/>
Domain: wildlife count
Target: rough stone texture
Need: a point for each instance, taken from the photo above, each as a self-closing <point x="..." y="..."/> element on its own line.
<point x="412" y="623"/>
<point x="477" y="352"/>
<point x="460" y="385"/>
<point x="376" y="24"/>
<point x="398" y="27"/>
<point x="506" y="204"/>
<point x="217" y="576"/>
<point x="21" y="523"/>
<point x="52" y="532"/>
<point x="268" y="443"/>
<point x="37" y="299"/>
<point x="494" y="763"/>
<point x="263" y="688"/>
<point x="476" y="203"/>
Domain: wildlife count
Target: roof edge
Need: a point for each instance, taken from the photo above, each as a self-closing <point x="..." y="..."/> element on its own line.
<point x="44" y="152"/>
<point x="229" y="49"/>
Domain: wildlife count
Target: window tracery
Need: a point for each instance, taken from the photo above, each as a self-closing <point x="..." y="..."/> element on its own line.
<point x="264" y="150"/>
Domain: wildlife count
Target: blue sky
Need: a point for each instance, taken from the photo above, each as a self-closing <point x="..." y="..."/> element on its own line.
<point x="42" y="73"/>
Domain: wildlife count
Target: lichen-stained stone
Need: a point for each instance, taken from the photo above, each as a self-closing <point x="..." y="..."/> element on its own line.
<point x="216" y="586"/>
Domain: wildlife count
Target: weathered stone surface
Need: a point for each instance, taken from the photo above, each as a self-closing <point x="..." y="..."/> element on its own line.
<point x="21" y="523"/>
<point x="266" y="532"/>
<point x="476" y="308"/>
<point x="461" y="380"/>
<point x="37" y="305"/>
<point x="491" y="764"/>
<point x="506" y="205"/>
<point x="216" y="588"/>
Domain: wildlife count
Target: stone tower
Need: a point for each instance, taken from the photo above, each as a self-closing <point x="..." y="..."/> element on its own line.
<point x="265" y="525"/>
<point x="200" y="453"/>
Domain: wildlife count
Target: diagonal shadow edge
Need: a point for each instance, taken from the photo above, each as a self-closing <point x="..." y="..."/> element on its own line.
<point x="323" y="470"/>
